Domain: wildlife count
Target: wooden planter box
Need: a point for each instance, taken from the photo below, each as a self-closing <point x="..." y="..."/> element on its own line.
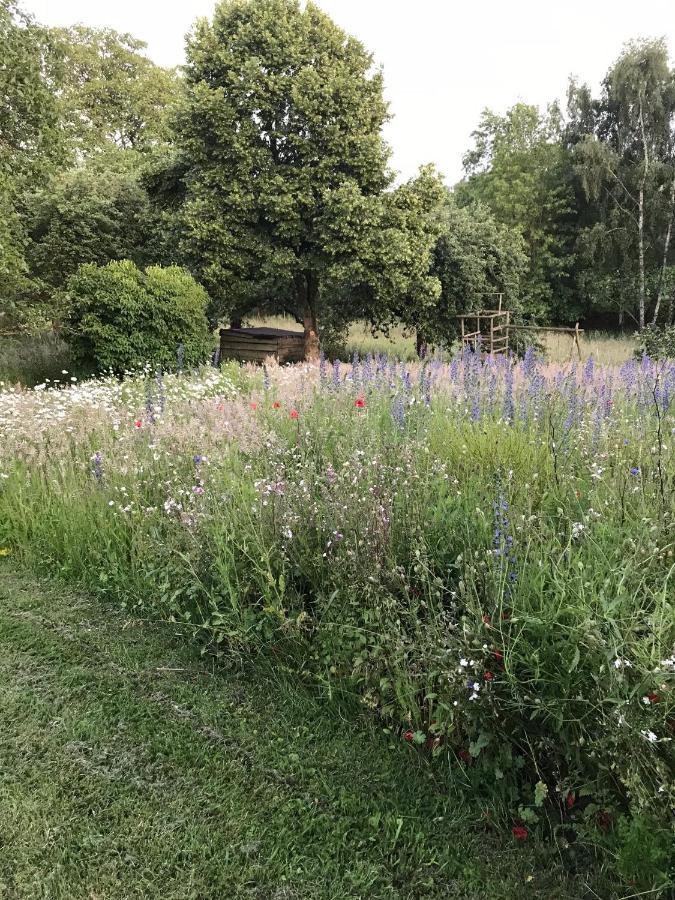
<point x="257" y="344"/>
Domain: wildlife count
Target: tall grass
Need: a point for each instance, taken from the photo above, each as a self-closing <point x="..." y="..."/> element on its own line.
<point x="483" y="551"/>
<point x="30" y="359"/>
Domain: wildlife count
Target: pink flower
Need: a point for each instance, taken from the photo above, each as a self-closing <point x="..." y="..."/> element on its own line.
<point x="408" y="736"/>
<point x="359" y="403"/>
<point x="138" y="423"/>
<point x="294" y="414"/>
<point x="276" y="405"/>
<point x="253" y="405"/>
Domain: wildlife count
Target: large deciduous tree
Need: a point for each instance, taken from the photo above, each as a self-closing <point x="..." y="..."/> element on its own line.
<point x="109" y="92"/>
<point x="285" y="167"/>
<point x="624" y="149"/>
<point x="94" y="213"/>
<point x="519" y="169"/>
<point x="30" y="145"/>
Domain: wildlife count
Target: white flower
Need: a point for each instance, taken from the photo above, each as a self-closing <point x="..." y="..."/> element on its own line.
<point x="651" y="737"/>
<point x="577" y="528"/>
<point x="622" y="663"/>
<point x="463" y="663"/>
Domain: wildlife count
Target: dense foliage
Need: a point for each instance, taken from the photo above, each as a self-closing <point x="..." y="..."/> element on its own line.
<point x="286" y="168"/>
<point x="120" y="318"/>
<point x="262" y="169"/>
<point x="481" y="551"/>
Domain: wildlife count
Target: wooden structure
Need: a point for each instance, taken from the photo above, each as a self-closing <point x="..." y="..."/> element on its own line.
<point x="257" y="344"/>
<point x="493" y="327"/>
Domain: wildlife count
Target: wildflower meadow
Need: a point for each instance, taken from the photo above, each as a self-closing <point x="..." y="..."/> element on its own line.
<point x="480" y="549"/>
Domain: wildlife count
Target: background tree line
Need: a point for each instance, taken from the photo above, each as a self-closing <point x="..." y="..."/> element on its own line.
<point x="260" y="167"/>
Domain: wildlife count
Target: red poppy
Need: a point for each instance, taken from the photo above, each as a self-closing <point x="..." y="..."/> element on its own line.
<point x="408" y="736"/>
<point x="571" y="799"/>
<point x="276" y="405"/>
<point x="488" y="675"/>
<point x="294" y="414"/>
<point x="359" y="402"/>
<point x="138" y="423"/>
<point x="653" y="697"/>
<point x="519" y="832"/>
<point x="253" y="405"/>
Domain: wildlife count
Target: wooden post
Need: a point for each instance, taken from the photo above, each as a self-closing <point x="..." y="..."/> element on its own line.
<point x="576" y="339"/>
<point x="508" y="322"/>
<point x="492" y="334"/>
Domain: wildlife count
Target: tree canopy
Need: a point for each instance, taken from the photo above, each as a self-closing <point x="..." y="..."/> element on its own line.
<point x="520" y="171"/>
<point x="286" y="165"/>
<point x="110" y="92"/>
<point x="624" y="153"/>
<point x="262" y="169"/>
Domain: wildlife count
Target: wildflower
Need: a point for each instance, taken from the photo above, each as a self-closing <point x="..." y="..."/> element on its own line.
<point x="253" y="405"/>
<point x="97" y="460"/>
<point x="622" y="663"/>
<point x="488" y="676"/>
<point x="653" y="697"/>
<point x="198" y="489"/>
<point x="359" y="403"/>
<point x="408" y="736"/>
<point x="138" y="423"/>
<point x="651" y="737"/>
<point x="5" y="551"/>
<point x="634" y="471"/>
<point x="276" y="405"/>
<point x="519" y="832"/>
<point x="294" y="414"/>
<point x="570" y="800"/>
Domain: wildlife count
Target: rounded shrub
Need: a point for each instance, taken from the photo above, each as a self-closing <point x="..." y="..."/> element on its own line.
<point x="121" y="318"/>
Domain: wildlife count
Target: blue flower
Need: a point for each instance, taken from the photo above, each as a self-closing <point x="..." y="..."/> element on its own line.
<point x="635" y="471"/>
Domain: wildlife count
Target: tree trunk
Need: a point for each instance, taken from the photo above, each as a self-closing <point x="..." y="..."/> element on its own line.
<point x="666" y="247"/>
<point x="307" y="289"/>
<point x="312" y="345"/>
<point x="641" y="221"/>
<point x="641" y="255"/>
<point x="421" y="344"/>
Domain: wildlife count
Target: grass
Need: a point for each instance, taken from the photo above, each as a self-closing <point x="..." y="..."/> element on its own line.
<point x="133" y="766"/>
<point x="30" y="359"/>
<point x="606" y="348"/>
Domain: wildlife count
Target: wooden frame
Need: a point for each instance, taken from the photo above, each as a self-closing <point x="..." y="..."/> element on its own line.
<point x="493" y="327"/>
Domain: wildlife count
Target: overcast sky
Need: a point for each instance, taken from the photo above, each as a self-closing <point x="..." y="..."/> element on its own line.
<point x="443" y="61"/>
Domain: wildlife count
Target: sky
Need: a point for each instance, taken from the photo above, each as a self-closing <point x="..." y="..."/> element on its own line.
<point x="443" y="61"/>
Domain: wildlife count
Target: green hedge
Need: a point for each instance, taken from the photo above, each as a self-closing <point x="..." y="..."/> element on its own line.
<point x="121" y="318"/>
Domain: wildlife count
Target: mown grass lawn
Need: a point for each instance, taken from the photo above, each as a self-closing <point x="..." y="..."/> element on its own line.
<point x="132" y="766"/>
